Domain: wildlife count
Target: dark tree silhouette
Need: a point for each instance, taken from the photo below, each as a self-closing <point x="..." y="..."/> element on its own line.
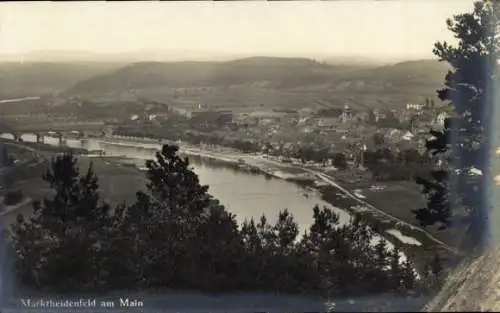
<point x="5" y="157"/>
<point x="64" y="233"/>
<point x="340" y="161"/>
<point x="177" y="236"/>
<point x="455" y="197"/>
<point x="180" y="235"/>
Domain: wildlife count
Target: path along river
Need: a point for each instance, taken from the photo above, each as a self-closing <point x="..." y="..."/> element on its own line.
<point x="244" y="194"/>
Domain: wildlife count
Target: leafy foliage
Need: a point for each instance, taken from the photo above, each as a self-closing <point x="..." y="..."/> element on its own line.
<point x="455" y="197"/>
<point x="177" y="236"/>
<point x="65" y="232"/>
<point x="340" y="161"/>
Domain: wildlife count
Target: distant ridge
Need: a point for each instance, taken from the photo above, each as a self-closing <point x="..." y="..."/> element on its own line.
<point x="38" y="78"/>
<point x="145" y="55"/>
<point x="286" y="81"/>
<point x="281" y="73"/>
<point x="278" y="72"/>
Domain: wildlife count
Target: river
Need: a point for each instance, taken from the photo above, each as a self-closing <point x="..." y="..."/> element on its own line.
<point x="244" y="194"/>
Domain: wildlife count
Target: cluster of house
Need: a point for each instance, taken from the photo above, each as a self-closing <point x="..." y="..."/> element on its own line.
<point x="309" y="121"/>
<point x="336" y="127"/>
<point x="347" y="126"/>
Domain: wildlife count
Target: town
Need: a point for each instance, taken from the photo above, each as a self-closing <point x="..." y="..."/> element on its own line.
<point x="320" y="133"/>
<point x="290" y="160"/>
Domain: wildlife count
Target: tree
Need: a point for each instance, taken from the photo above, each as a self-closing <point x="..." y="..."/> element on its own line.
<point x="286" y="230"/>
<point x="278" y="261"/>
<point x="433" y="275"/>
<point x="251" y="260"/>
<point x="65" y="232"/>
<point x="5" y="157"/>
<point x="318" y="244"/>
<point x="175" y="185"/>
<point x="271" y="261"/>
<point x="177" y="234"/>
<point x="173" y="207"/>
<point x="340" y="161"/>
<point x="381" y="262"/>
<point x="456" y="198"/>
<point x="219" y="249"/>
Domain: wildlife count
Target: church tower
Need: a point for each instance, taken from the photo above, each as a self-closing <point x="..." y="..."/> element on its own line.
<point x="346" y="114"/>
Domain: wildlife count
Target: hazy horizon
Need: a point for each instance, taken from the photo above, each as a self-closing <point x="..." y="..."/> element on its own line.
<point x="375" y="30"/>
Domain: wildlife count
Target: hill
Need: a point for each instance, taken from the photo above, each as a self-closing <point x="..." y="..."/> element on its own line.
<point x="19" y="79"/>
<point x="403" y="77"/>
<point x="275" y="71"/>
<point x="269" y="81"/>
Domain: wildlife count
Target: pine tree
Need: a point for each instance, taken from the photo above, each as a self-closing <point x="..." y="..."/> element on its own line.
<point x="251" y="260"/>
<point x="172" y="182"/>
<point x="381" y="265"/>
<point x="180" y="236"/>
<point x="60" y="246"/>
<point x="288" y="268"/>
<point x="396" y="270"/>
<point x="250" y="236"/>
<point x="4" y="155"/>
<point x="319" y="243"/>
<point x="381" y="254"/>
<point x="219" y="251"/>
<point x="267" y="236"/>
<point x="456" y="198"/>
<point x="286" y="230"/>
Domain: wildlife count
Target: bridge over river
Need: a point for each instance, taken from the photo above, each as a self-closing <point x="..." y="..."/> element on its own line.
<point x="61" y="131"/>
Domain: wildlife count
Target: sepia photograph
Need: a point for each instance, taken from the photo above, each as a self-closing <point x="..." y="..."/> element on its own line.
<point x="249" y="156"/>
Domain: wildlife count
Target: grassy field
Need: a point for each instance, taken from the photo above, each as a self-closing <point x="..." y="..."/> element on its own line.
<point x="397" y="198"/>
<point x="249" y="99"/>
<point x="420" y="254"/>
<point x="117" y="183"/>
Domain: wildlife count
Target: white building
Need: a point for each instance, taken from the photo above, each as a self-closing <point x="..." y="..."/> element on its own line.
<point x="441" y="117"/>
<point x="414" y="106"/>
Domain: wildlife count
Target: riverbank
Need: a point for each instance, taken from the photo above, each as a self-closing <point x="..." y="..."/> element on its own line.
<point x="106" y="169"/>
<point x="419" y="245"/>
<point x="404" y="227"/>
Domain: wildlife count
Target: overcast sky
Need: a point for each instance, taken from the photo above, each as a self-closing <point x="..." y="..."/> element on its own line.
<point x="405" y="28"/>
